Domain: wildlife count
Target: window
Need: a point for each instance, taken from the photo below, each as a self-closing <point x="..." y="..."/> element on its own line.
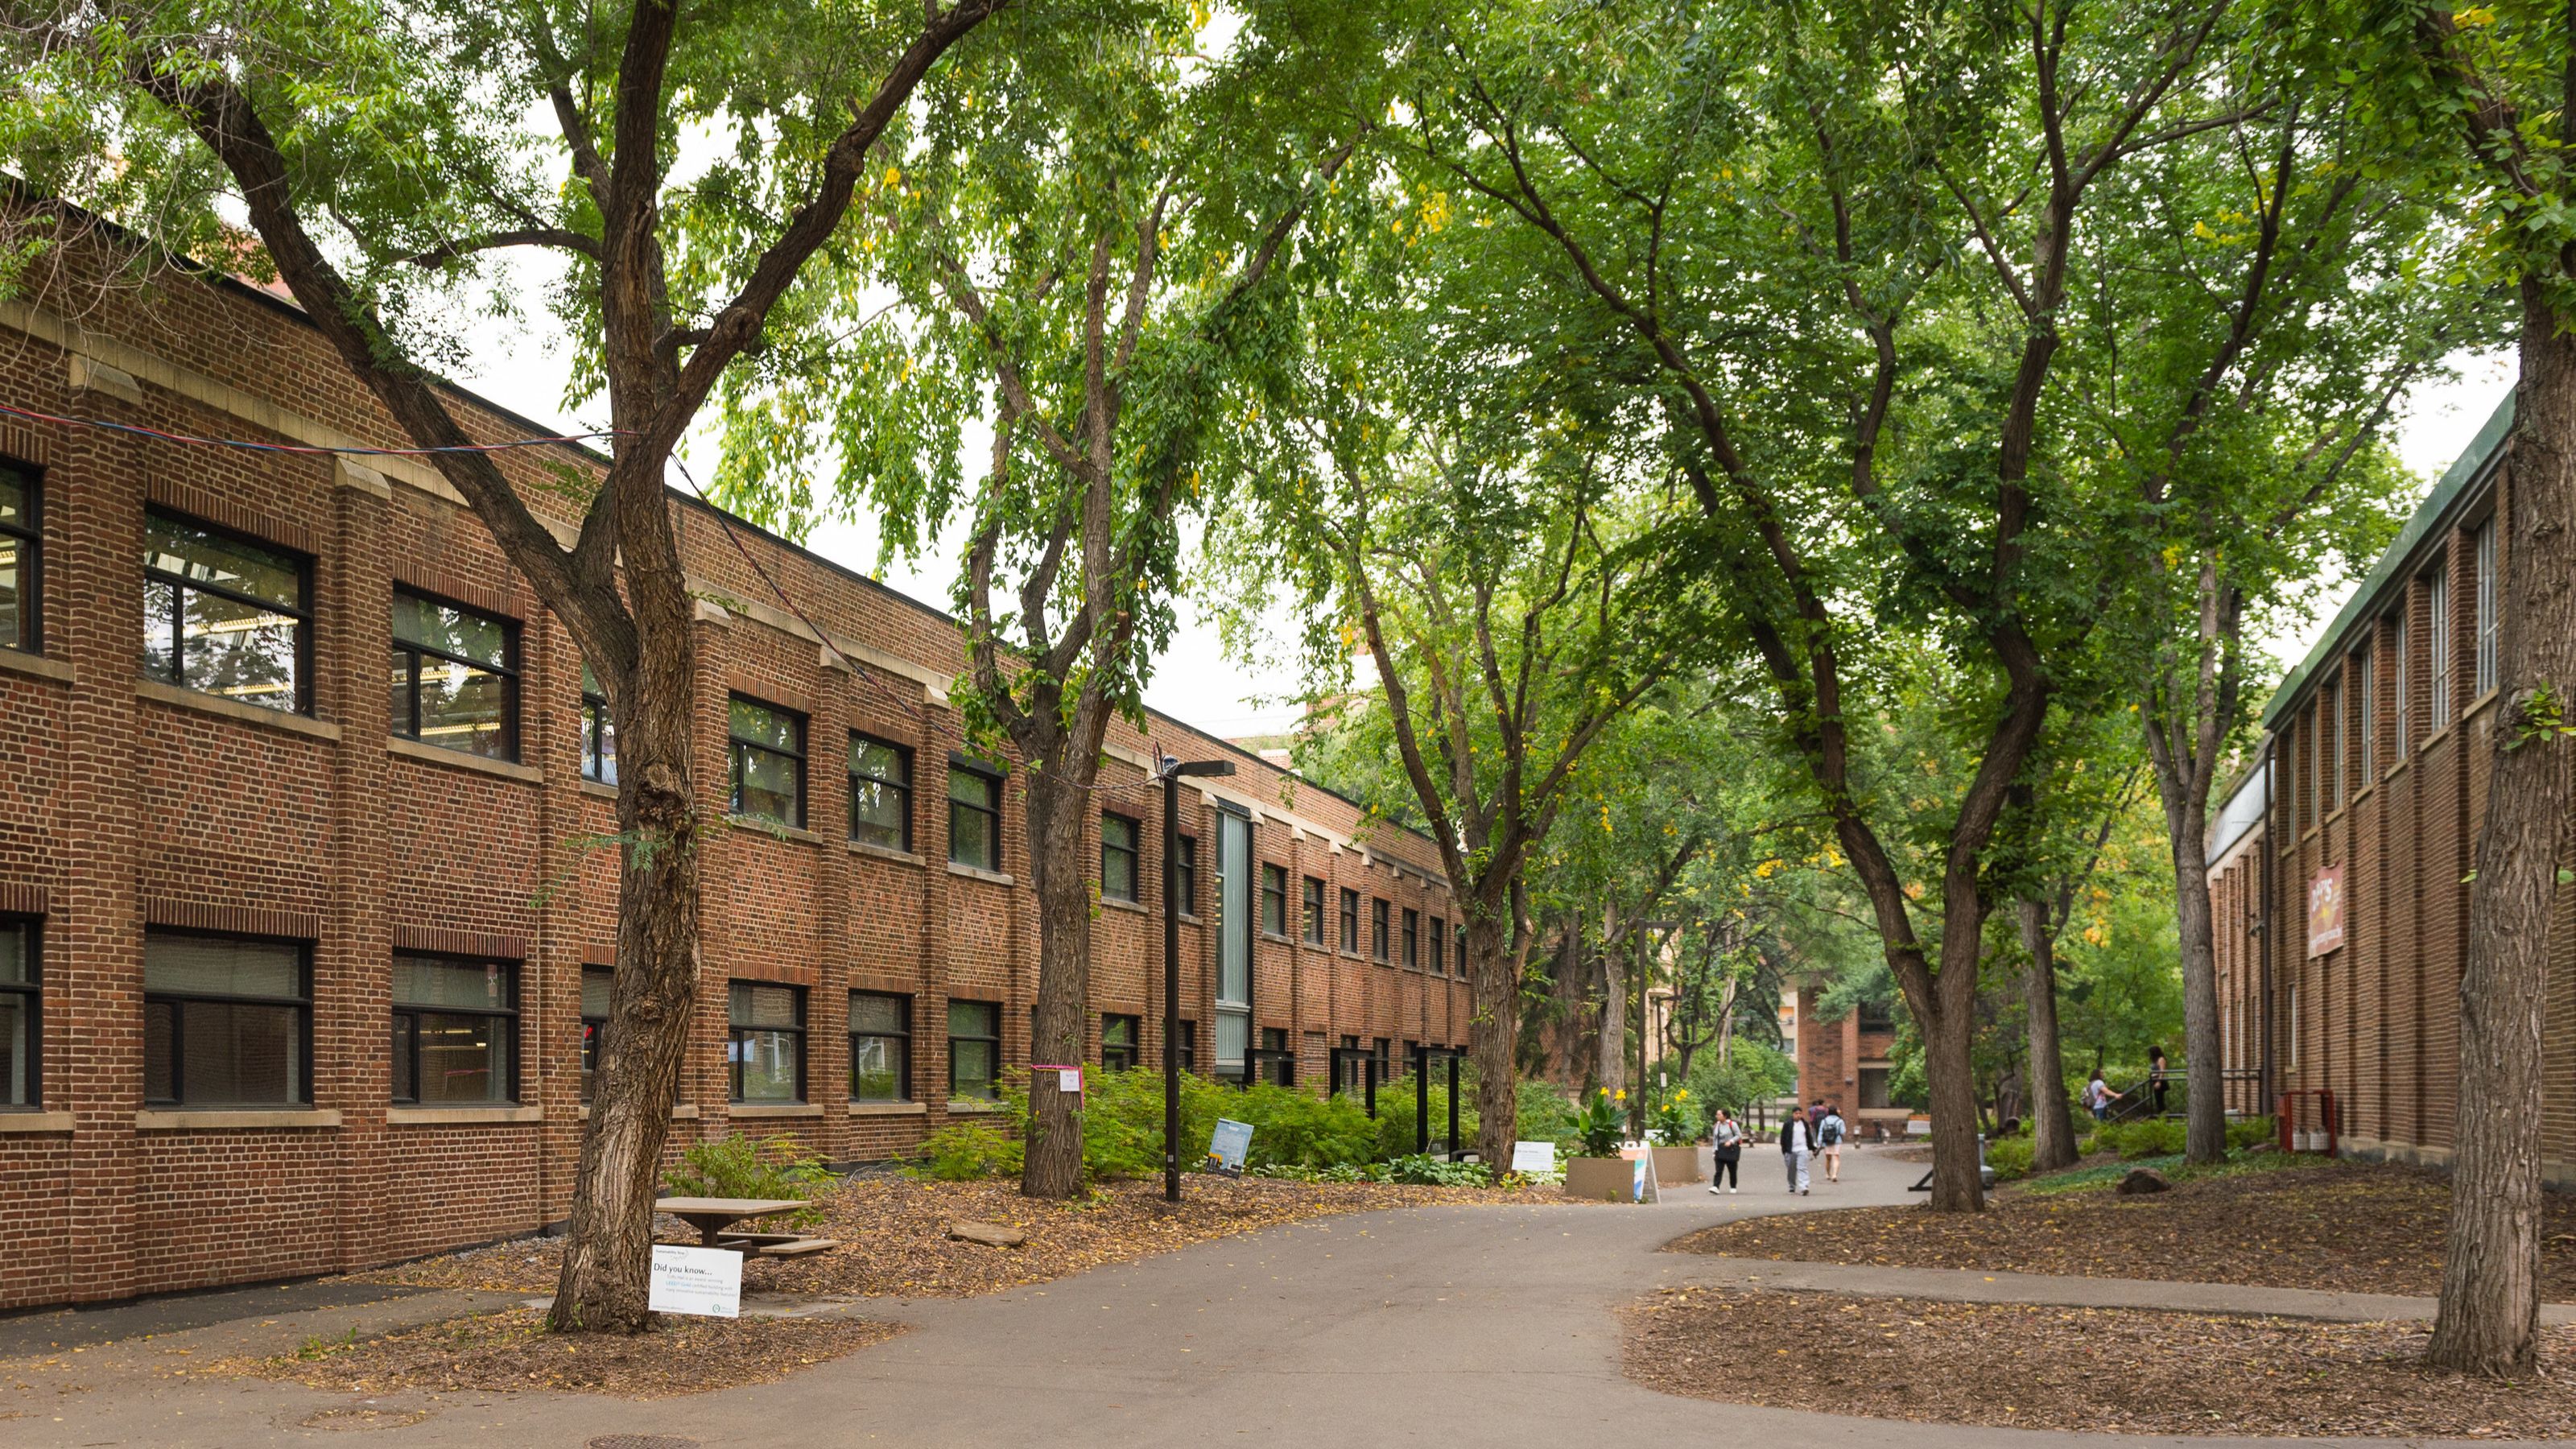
<point x="1877" y="1016"/>
<point x="2486" y="609"/>
<point x="225" y="616"/>
<point x="2437" y="662"/>
<point x="1117" y="858"/>
<point x="1118" y="1043"/>
<point x="596" y="982"/>
<point x="1379" y="946"/>
<point x="1314" y="911"/>
<point x="768" y="746"/>
<point x="1278" y="1064"/>
<point x="2330" y="718"/>
<point x="2399" y="699"/>
<point x="2365" y="694"/>
<point x="22" y="542"/>
<point x="1458" y="938"/>
<point x="1274" y="900"/>
<point x="1189" y="1046"/>
<point x="767" y="1052"/>
<point x="455" y="678"/>
<point x="974" y="818"/>
<point x="880" y="1047"/>
<point x="880" y="793"/>
<point x="20" y="998"/>
<point x="1378" y="1049"/>
<point x="456" y="1031"/>
<point x="226" y="1023"/>
<point x="1350" y="920"/>
<point x="1439" y="946"/>
<point x="974" y="1051"/>
<point x="598" y="732"/>
<point x="1873" y="1088"/>
<point x="1412" y="940"/>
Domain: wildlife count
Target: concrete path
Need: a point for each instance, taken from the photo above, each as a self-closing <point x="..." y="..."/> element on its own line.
<point x="1490" y="1326"/>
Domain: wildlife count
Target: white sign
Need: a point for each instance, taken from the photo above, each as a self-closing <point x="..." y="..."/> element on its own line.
<point x="1533" y="1159"/>
<point x="703" y="1281"/>
<point x="1069" y="1079"/>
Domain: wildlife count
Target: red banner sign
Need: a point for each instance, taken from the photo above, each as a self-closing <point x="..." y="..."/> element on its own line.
<point x="2327" y="905"/>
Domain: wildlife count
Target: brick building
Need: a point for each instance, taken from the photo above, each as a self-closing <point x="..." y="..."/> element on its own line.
<point x="292" y="982"/>
<point x="1842" y="1059"/>
<point x="2339" y="865"/>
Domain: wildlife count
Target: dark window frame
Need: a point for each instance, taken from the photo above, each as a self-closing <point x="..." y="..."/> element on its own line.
<point x="992" y="782"/>
<point x="178" y="1000"/>
<point x="31" y="994"/>
<point x="1188" y="1044"/>
<point x="31" y="558"/>
<point x="594" y="1028"/>
<point x="2486" y="630"/>
<point x="953" y="1037"/>
<point x="1274" y="900"/>
<point x="1185" y="867"/>
<point x="735" y="1055"/>
<point x="900" y="789"/>
<point x="1439" y="936"/>
<point x="1132" y="1050"/>
<point x="598" y="733"/>
<point x="1350" y="921"/>
<point x="736" y="747"/>
<point x="1412" y="939"/>
<point x="414" y="1011"/>
<point x="1381" y="934"/>
<point x="1133" y="852"/>
<point x="507" y="671"/>
<point x="1278" y="1059"/>
<point x="2441" y="622"/>
<point x="301" y="613"/>
<point x="901" y="1036"/>
<point x="1315" y="928"/>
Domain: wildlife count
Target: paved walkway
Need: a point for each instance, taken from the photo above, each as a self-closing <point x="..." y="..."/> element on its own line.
<point x="1484" y="1325"/>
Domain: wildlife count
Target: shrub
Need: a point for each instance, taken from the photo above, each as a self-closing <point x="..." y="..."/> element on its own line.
<point x="2009" y="1157"/>
<point x="1426" y="1170"/>
<point x="778" y="1167"/>
<point x="1675" y="1120"/>
<point x="1600" y="1127"/>
<point x="2251" y="1132"/>
<point x="966" y="1152"/>
<point x="1395" y="1124"/>
<point x="1542" y="1113"/>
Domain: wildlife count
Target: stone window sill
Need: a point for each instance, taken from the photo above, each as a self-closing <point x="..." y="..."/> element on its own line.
<point x="184" y="1119"/>
<point x="461" y="1116"/>
<point x="977" y="872"/>
<point x="772" y="829"/>
<point x="889" y="1109"/>
<point x="35" y="1122"/>
<point x="1118" y="905"/>
<point x="36" y="666"/>
<point x="882" y="852"/>
<point x="740" y="1111"/>
<point x="685" y="1112"/>
<point x="1275" y="936"/>
<point x="215" y="704"/>
<point x="963" y="1108"/>
<point x="459" y="760"/>
<point x="593" y="787"/>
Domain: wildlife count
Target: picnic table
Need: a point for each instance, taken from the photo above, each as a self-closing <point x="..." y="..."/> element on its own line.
<point x="713" y="1217"/>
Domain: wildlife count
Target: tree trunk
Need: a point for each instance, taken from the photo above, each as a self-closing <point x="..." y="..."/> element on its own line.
<point x="1950" y="1072"/>
<point x="2204" y="1095"/>
<point x="2490" y="1306"/>
<point x="603" y="1285"/>
<point x="1059" y="870"/>
<point x="2052" y="1123"/>
<point x="1610" y="1046"/>
<point x="1494" y="972"/>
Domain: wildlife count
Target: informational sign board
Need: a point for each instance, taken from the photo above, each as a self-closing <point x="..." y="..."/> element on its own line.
<point x="1645" y="1179"/>
<point x="1534" y="1159"/>
<point x="706" y="1282"/>
<point x="2327" y="907"/>
<point x="1069" y="1079"/>
<point x="1227" y="1146"/>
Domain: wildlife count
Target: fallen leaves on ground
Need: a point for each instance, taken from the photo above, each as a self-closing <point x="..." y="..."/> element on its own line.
<point x="2349" y="1227"/>
<point x="894" y="1240"/>
<point x="2120" y="1370"/>
<point x="513" y="1351"/>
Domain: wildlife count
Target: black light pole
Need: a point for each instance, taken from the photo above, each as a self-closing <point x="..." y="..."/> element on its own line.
<point x="1172" y="770"/>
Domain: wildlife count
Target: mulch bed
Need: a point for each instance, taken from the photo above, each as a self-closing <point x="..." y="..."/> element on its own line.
<point x="2349" y="1227"/>
<point x="512" y="1351"/>
<point x="893" y="1234"/>
<point x="2086" y="1370"/>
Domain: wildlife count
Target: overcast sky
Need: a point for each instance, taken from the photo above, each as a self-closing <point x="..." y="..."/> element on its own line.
<point x="1195" y="681"/>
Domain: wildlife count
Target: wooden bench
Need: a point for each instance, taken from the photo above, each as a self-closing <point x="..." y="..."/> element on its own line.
<point x="798" y="1248"/>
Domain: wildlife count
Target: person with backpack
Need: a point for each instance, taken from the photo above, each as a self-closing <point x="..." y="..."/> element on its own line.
<point x="1727" y="1143"/>
<point x="1794" y="1145"/>
<point x="2098" y="1097"/>
<point x="1829" y="1141"/>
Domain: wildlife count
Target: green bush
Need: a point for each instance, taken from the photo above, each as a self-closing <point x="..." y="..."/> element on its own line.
<point x="1542" y="1113"/>
<point x="1429" y="1171"/>
<point x="2009" y="1157"/>
<point x="776" y="1167"/>
<point x="2251" y="1132"/>
<point x="1395" y="1124"/>
<point x="966" y="1152"/>
<point x="1122" y="1123"/>
<point x="1601" y="1127"/>
<point x="2133" y="1141"/>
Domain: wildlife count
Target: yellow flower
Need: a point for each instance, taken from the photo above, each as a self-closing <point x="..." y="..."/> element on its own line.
<point x="1682" y="1096"/>
<point x="1623" y="1094"/>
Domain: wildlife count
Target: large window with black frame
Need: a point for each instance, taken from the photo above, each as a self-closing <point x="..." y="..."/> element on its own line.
<point x="1187" y="1045"/>
<point x="767" y="1050"/>
<point x="455" y="677"/>
<point x="596" y="983"/>
<point x="227" y="1021"/>
<point x="880" y="1047"/>
<point x="226" y="616"/>
<point x="456" y="1031"/>
<point x="1439" y="947"/>
<point x="598" y="732"/>
<point x="974" y="1051"/>
<point x="1185" y="873"/>
<point x="1350" y="921"/>
<point x="768" y="747"/>
<point x="880" y="793"/>
<point x="1118" y="1038"/>
<point x="1274" y="900"/>
<point x="1278" y="1063"/>
<point x="1314" y="911"/>
<point x="1379" y="946"/>
<point x="21" y="1023"/>
<point x="974" y="817"/>
<point x="1118" y="858"/>
<point x="22" y="548"/>
<point x="1412" y="939"/>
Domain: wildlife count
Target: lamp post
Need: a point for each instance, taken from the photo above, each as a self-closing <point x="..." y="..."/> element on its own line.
<point x="1171" y="771"/>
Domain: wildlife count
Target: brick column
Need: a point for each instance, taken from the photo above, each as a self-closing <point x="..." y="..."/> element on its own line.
<point x="353" y="962"/>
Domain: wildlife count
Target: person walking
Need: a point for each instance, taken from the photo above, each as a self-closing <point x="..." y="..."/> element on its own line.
<point x="2098" y="1097"/>
<point x="1727" y="1143"/>
<point x="1829" y="1141"/>
<point x="1794" y="1145"/>
<point x="2156" y="1083"/>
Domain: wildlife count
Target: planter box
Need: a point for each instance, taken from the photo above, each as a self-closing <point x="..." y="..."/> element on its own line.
<point x="1601" y="1179"/>
<point x="1675" y="1165"/>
